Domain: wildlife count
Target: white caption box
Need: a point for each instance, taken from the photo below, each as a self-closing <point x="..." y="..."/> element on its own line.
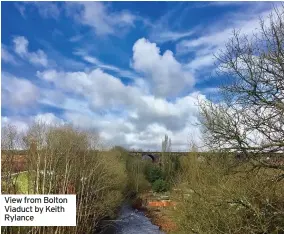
<point x="38" y="210"/>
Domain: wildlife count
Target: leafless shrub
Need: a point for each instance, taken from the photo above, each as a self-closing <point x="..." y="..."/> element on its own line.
<point x="62" y="160"/>
<point x="211" y="201"/>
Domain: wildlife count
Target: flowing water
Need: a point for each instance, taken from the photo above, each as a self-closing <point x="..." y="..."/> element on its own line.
<point x="131" y="221"/>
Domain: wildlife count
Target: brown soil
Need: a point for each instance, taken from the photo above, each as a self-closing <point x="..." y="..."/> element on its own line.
<point x="162" y="220"/>
<point x="157" y="211"/>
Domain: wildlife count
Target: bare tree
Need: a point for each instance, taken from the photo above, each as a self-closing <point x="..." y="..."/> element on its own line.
<point x="64" y="160"/>
<point x="250" y="118"/>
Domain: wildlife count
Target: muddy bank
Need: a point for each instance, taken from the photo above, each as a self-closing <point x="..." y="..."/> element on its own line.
<point x="157" y="210"/>
<point x="160" y="219"/>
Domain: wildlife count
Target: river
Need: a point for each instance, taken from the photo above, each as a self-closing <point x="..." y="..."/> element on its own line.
<point x="131" y="221"/>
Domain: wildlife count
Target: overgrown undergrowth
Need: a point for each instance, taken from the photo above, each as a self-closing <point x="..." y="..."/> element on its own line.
<point x="211" y="200"/>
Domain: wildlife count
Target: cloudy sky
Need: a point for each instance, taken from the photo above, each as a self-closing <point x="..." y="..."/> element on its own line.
<point x="132" y="71"/>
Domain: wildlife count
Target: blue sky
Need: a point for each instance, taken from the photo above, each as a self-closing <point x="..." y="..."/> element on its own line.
<point x="132" y="71"/>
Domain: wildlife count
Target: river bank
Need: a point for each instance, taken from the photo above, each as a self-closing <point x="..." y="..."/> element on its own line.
<point x="158" y="207"/>
<point x="146" y="213"/>
<point x="161" y="218"/>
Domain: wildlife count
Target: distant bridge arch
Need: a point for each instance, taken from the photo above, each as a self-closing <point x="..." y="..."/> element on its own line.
<point x="153" y="158"/>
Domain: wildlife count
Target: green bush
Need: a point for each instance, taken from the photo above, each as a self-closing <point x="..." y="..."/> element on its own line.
<point x="153" y="173"/>
<point x="160" y="185"/>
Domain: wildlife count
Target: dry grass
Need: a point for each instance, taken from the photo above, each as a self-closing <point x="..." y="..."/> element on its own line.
<point x="211" y="200"/>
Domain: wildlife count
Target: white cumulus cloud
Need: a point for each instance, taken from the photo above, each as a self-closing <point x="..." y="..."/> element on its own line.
<point x="18" y="92"/>
<point x="164" y="72"/>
